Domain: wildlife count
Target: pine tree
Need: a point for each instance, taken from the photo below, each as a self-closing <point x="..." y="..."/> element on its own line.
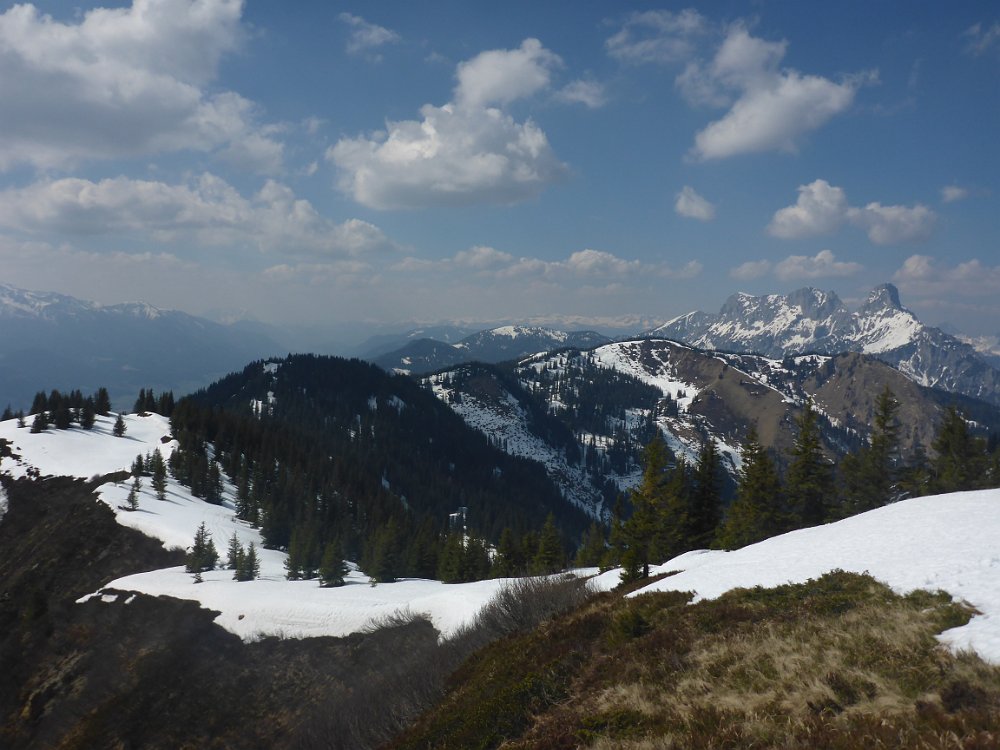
<point x="213" y="483"/>
<point x="20" y="419"/>
<point x="233" y="552"/>
<point x="248" y="566"/>
<point x="88" y="414"/>
<point x="451" y="559"/>
<point x="203" y="554"/>
<point x="550" y="557"/>
<point x="592" y="547"/>
<point x="40" y="423"/>
<point x="133" y="494"/>
<point x="648" y="501"/>
<point x="958" y="465"/>
<point x="333" y="568"/>
<point x="507" y="562"/>
<point x="102" y="402"/>
<point x="119" y="428"/>
<point x="385" y="557"/>
<point x="706" y="497"/>
<point x="869" y="476"/>
<point x="7" y="414"/>
<point x="158" y="468"/>
<point x="809" y="481"/>
<point x="756" y="513"/>
<point x="293" y="563"/>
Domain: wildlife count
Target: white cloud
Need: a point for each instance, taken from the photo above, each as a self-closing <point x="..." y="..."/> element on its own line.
<point x="343" y="273"/>
<point x="657" y="36"/>
<point x="501" y="76"/>
<point x="889" y="225"/>
<point x="482" y="257"/>
<point x="752" y="269"/>
<point x="692" y="206"/>
<point x="953" y="193"/>
<point x="982" y="40"/>
<point x="823" y="265"/>
<point x="771" y="108"/>
<point x="591" y="94"/>
<point x="366" y="37"/>
<point x="922" y="274"/>
<point x="121" y="82"/>
<point x="462" y="153"/>
<point x="822" y="208"/>
<point x="209" y="211"/>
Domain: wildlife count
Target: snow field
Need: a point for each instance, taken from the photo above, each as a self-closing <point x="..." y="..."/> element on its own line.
<point x="940" y="542"/>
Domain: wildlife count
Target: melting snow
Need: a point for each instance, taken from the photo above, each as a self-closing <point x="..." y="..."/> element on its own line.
<point x="947" y="542"/>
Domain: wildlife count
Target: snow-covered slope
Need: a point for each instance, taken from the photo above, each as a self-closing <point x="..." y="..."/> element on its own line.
<point x="946" y="542"/>
<point x="250" y="609"/>
<point x="810" y="320"/>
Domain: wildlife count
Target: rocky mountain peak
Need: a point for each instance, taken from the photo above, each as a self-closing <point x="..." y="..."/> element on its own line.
<point x="883" y="297"/>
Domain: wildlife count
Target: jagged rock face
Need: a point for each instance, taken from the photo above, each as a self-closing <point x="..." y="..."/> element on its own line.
<point x="809" y="320"/>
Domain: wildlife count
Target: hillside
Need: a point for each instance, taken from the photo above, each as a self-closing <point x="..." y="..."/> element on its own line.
<point x="586" y="415"/>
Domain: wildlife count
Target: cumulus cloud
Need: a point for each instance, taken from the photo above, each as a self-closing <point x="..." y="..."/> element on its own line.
<point x="922" y="274"/>
<point x="823" y="265"/>
<point x="208" y="210"/>
<point x="822" y="208"/>
<point x="464" y="152"/>
<point x="591" y="94"/>
<point x="981" y="40"/>
<point x="586" y="265"/>
<point x="770" y="108"/>
<point x="657" y="36"/>
<point x="122" y="82"/>
<point x="366" y="37"/>
<point x="752" y="269"/>
<point x="953" y="193"/>
<point x="501" y="76"/>
<point x="692" y="206"/>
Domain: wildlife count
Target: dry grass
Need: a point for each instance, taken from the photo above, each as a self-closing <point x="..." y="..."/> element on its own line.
<point x="840" y="662"/>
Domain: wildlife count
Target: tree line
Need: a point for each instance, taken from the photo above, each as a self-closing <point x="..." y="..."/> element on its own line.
<point x="677" y="507"/>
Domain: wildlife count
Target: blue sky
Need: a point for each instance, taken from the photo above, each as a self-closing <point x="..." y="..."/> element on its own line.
<point x="602" y="164"/>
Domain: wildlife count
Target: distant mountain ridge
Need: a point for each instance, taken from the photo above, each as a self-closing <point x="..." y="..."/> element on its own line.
<point x="811" y="320"/>
<point x="494" y="345"/>
<point x="50" y="340"/>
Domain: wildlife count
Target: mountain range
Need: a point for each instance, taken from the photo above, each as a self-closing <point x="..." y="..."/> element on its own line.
<point x="810" y="320"/>
<point x="53" y="341"/>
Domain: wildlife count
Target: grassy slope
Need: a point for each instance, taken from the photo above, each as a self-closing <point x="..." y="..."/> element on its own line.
<point x="840" y="662"/>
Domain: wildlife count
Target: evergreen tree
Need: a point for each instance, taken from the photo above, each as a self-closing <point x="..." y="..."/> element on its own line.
<point x="869" y="476"/>
<point x="756" y="513"/>
<point x="592" y="547"/>
<point x="385" y="556"/>
<point x="20" y="419"/>
<point x="119" y="428"/>
<point x="88" y="414"/>
<point x="616" y="538"/>
<point x="203" y="554"/>
<point x="40" y="403"/>
<point x="809" y="481"/>
<point x="333" y="568"/>
<point x="958" y="464"/>
<point x="452" y="558"/>
<point x="293" y="563"/>
<point x="133" y="494"/>
<point x="213" y="483"/>
<point x="550" y="556"/>
<point x="158" y="468"/>
<point x="40" y="423"/>
<point x="706" y="497"/>
<point x="102" y="402"/>
<point x="7" y="414"/>
<point x="648" y="502"/>
<point x="247" y="566"/>
<point x="233" y="552"/>
<point x="507" y="562"/>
